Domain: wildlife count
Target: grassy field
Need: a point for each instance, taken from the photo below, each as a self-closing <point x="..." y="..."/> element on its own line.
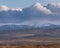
<point x="33" y="46"/>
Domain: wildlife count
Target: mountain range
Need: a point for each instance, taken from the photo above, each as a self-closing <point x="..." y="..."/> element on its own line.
<point x="34" y="16"/>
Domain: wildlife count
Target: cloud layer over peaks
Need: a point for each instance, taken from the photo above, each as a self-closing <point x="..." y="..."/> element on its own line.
<point x="36" y="14"/>
<point x="5" y="8"/>
<point x="39" y="7"/>
<point x="54" y="7"/>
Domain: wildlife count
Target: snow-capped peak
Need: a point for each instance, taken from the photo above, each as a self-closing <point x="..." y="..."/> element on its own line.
<point x="37" y="5"/>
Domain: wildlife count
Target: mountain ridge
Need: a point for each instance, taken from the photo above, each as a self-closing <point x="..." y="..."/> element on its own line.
<point x="35" y="15"/>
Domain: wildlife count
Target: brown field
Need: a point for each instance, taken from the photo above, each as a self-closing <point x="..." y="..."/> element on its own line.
<point x="32" y="46"/>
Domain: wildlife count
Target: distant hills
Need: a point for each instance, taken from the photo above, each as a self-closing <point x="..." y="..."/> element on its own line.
<point x="16" y="27"/>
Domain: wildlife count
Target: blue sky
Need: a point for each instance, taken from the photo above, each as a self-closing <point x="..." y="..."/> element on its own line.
<point x="24" y="3"/>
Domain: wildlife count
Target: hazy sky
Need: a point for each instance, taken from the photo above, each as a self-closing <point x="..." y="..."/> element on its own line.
<point x="24" y="3"/>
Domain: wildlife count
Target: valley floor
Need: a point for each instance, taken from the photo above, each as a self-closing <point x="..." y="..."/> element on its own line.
<point x="33" y="46"/>
<point x="31" y="43"/>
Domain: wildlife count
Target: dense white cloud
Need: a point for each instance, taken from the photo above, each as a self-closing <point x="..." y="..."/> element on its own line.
<point x="16" y="9"/>
<point x="33" y="15"/>
<point x="4" y="8"/>
<point x="38" y="7"/>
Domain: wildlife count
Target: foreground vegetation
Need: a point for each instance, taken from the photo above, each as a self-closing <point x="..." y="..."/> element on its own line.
<point x="33" y="46"/>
